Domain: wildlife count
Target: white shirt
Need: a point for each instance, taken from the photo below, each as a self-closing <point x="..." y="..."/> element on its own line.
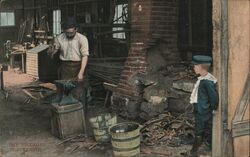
<point x="72" y="49"/>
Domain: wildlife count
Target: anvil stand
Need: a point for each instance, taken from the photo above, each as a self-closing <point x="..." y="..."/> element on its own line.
<point x="64" y="97"/>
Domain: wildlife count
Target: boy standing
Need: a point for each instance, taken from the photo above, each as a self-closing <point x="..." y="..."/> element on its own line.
<point x="205" y="99"/>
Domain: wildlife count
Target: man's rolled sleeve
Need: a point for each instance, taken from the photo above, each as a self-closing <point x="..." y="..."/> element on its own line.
<point x="56" y="43"/>
<point x="84" y="46"/>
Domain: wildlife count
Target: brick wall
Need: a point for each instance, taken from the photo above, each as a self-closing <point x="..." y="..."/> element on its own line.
<point x="164" y="24"/>
<point x="151" y="20"/>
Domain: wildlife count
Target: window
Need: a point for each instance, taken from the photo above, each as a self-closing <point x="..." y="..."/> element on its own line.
<point x="57" y="22"/>
<point x="121" y="17"/>
<point x="7" y="19"/>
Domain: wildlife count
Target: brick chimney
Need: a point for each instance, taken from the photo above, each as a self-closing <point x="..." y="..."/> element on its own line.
<point x="151" y="20"/>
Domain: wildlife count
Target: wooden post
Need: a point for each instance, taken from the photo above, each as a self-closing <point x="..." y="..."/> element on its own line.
<point x="224" y="62"/>
<point x="12" y="59"/>
<point x="224" y="75"/>
<point x="220" y="55"/>
<point x="217" y="123"/>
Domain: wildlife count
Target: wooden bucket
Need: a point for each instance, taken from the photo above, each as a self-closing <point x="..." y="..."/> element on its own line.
<point x="101" y="125"/>
<point x="125" y="140"/>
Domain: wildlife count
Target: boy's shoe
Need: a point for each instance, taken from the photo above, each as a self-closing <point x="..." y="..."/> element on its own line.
<point x="193" y="151"/>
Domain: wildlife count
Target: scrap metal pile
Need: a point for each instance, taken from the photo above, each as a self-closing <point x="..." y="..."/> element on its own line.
<point x="167" y="129"/>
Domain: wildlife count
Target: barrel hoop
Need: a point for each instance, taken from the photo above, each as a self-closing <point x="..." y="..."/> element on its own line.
<point x="137" y="155"/>
<point x="100" y="128"/>
<point x="102" y="135"/>
<point x="68" y="111"/>
<point x="125" y="149"/>
<point x="125" y="140"/>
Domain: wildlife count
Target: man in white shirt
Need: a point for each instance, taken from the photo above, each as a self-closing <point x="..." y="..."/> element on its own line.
<point x="73" y="51"/>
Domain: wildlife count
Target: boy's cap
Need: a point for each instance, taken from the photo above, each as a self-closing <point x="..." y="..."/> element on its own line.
<point x="70" y="22"/>
<point x="201" y="59"/>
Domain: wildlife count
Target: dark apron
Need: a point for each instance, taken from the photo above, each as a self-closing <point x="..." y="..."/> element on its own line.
<point x="69" y="70"/>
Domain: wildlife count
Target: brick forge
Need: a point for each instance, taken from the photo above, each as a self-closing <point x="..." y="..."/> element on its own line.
<point x="152" y="20"/>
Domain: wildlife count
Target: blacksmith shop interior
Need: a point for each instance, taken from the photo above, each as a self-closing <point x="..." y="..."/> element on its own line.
<point x="135" y="91"/>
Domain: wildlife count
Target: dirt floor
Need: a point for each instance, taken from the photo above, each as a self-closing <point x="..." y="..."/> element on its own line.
<point x="25" y="129"/>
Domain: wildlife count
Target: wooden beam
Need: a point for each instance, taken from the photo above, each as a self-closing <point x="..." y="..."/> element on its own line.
<point x="101" y="25"/>
<point x="241" y="128"/>
<point x="244" y="102"/>
<point x="113" y="32"/>
<point x="31" y="8"/>
<point x="224" y="62"/>
<point x="76" y="2"/>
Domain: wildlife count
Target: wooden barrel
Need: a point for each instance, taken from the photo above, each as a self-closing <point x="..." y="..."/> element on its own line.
<point x="101" y="125"/>
<point x="125" y="139"/>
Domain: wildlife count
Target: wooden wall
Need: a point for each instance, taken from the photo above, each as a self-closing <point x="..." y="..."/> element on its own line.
<point x="239" y="52"/>
<point x="232" y="23"/>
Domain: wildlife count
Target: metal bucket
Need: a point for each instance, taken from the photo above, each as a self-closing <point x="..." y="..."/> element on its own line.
<point x="125" y="140"/>
<point x="101" y="125"/>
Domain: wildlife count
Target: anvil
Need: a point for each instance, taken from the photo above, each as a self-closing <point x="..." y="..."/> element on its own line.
<point x="64" y="96"/>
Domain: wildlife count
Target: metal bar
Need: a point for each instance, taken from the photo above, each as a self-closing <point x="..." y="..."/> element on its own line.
<point x="85" y="110"/>
<point x="106" y="98"/>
